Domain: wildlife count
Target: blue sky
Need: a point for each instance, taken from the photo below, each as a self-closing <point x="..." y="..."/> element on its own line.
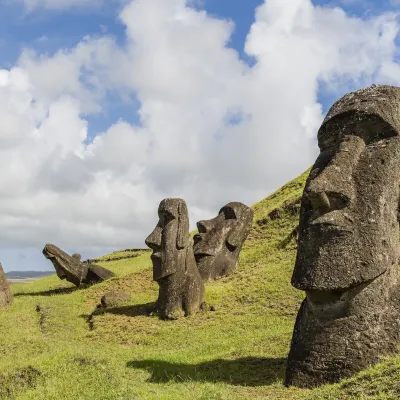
<point x="47" y="31"/>
<point x="215" y="125"/>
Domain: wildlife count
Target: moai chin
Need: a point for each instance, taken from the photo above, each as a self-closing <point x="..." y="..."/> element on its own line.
<point x="5" y="292"/>
<point x="174" y="266"/>
<point x="219" y="241"/>
<point x="348" y="248"/>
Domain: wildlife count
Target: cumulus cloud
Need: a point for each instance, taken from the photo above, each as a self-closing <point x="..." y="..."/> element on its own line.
<point x="212" y="129"/>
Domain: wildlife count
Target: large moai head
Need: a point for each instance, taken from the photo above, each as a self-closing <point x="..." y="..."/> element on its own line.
<point x="219" y="241"/>
<point x="72" y="269"/>
<point x="349" y="242"/>
<point x="174" y="267"/>
<point x="5" y="292"/>
<point x="170" y="238"/>
<point x="66" y="266"/>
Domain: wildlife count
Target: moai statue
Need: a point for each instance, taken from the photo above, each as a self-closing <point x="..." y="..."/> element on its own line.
<point x="219" y="241"/>
<point x="5" y="292"/>
<point x="72" y="269"/>
<point x="174" y="266"/>
<point x="349" y="242"/>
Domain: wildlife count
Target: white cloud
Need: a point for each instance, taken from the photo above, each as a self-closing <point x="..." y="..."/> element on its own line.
<point x="31" y="5"/>
<point x="212" y="128"/>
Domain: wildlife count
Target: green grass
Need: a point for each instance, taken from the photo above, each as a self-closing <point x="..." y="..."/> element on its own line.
<point x="50" y="349"/>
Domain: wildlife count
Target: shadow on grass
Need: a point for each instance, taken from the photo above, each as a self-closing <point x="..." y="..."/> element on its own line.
<point x="248" y="371"/>
<point x="51" y="292"/>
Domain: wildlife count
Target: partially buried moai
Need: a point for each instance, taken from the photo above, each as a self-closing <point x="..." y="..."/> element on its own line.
<point x="72" y="269"/>
<point x="219" y="241"/>
<point x="174" y="266"/>
<point x="5" y="292"/>
<point x="349" y="242"/>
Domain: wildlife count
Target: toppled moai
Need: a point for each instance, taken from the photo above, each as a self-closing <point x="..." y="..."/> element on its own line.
<point x="348" y="247"/>
<point x="72" y="269"/>
<point x="174" y="266"/>
<point x="219" y="241"/>
<point x="5" y="292"/>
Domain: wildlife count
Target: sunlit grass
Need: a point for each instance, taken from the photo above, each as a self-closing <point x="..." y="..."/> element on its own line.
<point x="50" y="351"/>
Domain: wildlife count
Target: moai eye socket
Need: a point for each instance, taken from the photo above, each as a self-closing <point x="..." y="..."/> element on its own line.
<point x="229" y="213"/>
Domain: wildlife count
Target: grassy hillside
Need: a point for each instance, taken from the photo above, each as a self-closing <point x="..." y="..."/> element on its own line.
<point x="52" y="348"/>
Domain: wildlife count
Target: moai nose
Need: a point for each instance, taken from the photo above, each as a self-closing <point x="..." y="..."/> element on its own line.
<point x="204" y="226"/>
<point x="320" y="200"/>
<point x="154" y="239"/>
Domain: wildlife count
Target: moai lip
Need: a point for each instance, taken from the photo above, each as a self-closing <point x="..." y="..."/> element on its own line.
<point x="348" y="245"/>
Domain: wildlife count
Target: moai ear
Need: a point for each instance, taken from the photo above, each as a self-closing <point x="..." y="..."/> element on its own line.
<point x="183" y="226"/>
<point x="240" y="230"/>
<point x="76" y="257"/>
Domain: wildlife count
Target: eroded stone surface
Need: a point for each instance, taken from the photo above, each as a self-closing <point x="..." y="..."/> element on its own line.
<point x="5" y="292"/>
<point x="348" y="242"/>
<point x="72" y="269"/>
<point x="219" y="241"/>
<point x="174" y="266"/>
<point x="114" y="299"/>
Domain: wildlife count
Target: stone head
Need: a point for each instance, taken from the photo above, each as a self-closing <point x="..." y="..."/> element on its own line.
<point x="219" y="241"/>
<point x="349" y="229"/>
<point x="66" y="266"/>
<point x="170" y="238"/>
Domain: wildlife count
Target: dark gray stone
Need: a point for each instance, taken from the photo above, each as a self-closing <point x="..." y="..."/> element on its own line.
<point x="219" y="241"/>
<point x="114" y="299"/>
<point x="72" y="269"/>
<point x="174" y="266"/>
<point x="5" y="292"/>
<point x="348" y="242"/>
<point x="96" y="273"/>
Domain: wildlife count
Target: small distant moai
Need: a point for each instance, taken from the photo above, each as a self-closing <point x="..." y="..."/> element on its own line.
<point x="349" y="242"/>
<point x="5" y="292"/>
<point x="72" y="269"/>
<point x="174" y="266"/>
<point x="219" y="241"/>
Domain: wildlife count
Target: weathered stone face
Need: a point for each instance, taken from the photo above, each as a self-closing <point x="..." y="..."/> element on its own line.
<point x="67" y="267"/>
<point x="5" y="292"/>
<point x="349" y="242"/>
<point x="174" y="267"/>
<point x="219" y="241"/>
<point x="72" y="269"/>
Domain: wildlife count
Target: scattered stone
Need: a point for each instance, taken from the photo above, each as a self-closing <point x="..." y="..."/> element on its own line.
<point x="72" y="269"/>
<point x="5" y="292"/>
<point x="114" y="299"/>
<point x="174" y="265"/>
<point x="348" y="244"/>
<point x="97" y="274"/>
<point x="219" y="241"/>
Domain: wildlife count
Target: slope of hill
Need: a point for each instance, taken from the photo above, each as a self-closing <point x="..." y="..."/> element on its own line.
<point x="52" y="348"/>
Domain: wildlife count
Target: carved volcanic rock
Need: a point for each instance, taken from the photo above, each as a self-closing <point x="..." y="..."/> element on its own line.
<point x="5" y="292"/>
<point x="96" y="273"/>
<point x="72" y="269"/>
<point x="348" y="242"/>
<point x="174" y="266"/>
<point x="219" y="241"/>
<point x="114" y="299"/>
